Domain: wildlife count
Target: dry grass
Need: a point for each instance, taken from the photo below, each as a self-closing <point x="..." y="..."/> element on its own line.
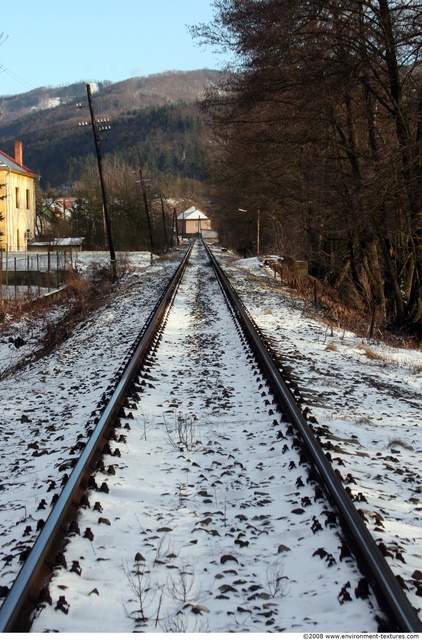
<point x="323" y="303"/>
<point x="78" y="299"/>
<point x="398" y="442"/>
<point x="82" y="296"/>
<point x="386" y="360"/>
<point x="20" y="307"/>
<point x="370" y="353"/>
<point x="331" y="347"/>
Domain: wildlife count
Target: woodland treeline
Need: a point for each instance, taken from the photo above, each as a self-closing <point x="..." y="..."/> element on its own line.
<point x="155" y="125"/>
<point x="164" y="138"/>
<point x="317" y="126"/>
<point x="166" y="142"/>
<point x="128" y="212"/>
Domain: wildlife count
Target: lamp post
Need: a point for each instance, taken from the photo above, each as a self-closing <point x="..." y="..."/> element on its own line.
<point x="95" y="131"/>
<point x="258" y="230"/>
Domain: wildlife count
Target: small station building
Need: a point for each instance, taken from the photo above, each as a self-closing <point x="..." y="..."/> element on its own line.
<point x="193" y="223"/>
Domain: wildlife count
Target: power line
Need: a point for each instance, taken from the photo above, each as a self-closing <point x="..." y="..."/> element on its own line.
<point x="13" y="75"/>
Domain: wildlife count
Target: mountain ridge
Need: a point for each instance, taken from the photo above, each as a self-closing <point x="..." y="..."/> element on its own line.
<point x="155" y="122"/>
<point x="139" y="91"/>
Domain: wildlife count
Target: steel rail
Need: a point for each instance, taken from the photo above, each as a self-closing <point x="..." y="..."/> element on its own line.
<point x="399" y="608"/>
<point x="24" y="594"/>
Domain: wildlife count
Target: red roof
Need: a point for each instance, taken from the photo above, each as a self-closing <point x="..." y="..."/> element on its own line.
<point x="12" y="164"/>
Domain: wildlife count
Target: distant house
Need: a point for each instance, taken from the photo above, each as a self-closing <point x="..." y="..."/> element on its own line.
<point x="193" y="222"/>
<point x="51" y="211"/>
<point x="17" y="201"/>
<point x="60" y="207"/>
<point x="43" y="244"/>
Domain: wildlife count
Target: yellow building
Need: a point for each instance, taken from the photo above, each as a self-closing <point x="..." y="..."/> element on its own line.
<point x="17" y="201"/>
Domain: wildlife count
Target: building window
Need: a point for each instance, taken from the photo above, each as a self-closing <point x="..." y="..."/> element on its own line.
<point x="28" y="199"/>
<point x="17" y="198"/>
<point x="18" y="240"/>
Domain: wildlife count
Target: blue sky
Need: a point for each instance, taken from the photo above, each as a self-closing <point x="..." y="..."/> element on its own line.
<point x="55" y="42"/>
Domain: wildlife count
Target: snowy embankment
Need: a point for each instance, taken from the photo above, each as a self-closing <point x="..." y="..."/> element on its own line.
<point x="367" y="399"/>
<point x="46" y="405"/>
<point x="369" y="409"/>
<point x="208" y="523"/>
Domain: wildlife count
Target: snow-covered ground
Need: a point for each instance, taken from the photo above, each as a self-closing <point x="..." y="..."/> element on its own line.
<point x="367" y="399"/>
<point x="46" y="406"/>
<point x="205" y="526"/>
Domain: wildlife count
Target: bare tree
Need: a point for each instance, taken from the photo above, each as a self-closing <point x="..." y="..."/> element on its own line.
<point x="318" y="123"/>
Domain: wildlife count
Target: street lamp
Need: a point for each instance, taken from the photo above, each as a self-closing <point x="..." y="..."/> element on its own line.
<point x="258" y="230"/>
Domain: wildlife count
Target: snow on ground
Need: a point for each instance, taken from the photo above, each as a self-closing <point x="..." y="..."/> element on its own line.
<point x="47" y="404"/>
<point x="368" y="406"/>
<point x="367" y="399"/>
<point x="212" y="534"/>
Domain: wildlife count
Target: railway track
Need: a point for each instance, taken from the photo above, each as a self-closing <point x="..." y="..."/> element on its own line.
<point x="213" y="483"/>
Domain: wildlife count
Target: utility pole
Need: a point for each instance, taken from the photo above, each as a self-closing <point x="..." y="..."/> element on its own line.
<point x="147" y="214"/>
<point x="95" y="130"/>
<point x="164" y="222"/>
<point x="176" y="230"/>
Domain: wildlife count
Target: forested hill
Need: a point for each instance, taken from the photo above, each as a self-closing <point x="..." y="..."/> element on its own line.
<point x="154" y="122"/>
